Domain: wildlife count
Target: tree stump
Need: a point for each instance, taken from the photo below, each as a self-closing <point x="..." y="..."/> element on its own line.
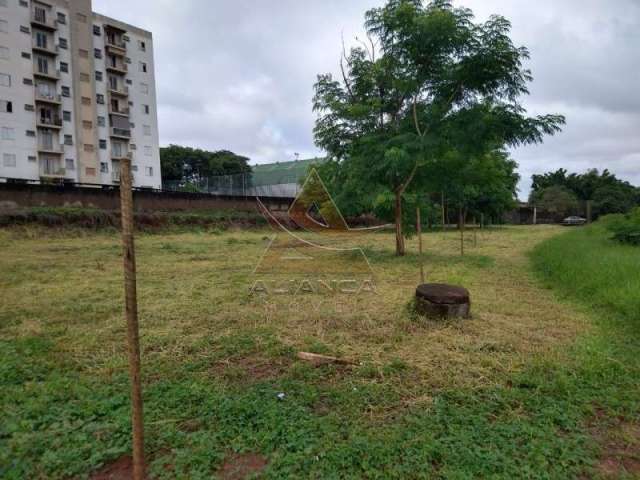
<point x="437" y="300"/>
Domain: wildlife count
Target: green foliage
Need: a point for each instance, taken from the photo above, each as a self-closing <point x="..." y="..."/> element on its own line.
<point x="430" y="84"/>
<point x="186" y="164"/>
<point x="607" y="193"/>
<point x="625" y="228"/>
<point x="558" y="201"/>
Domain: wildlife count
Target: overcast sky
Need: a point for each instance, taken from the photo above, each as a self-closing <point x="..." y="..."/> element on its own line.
<point x="238" y="74"/>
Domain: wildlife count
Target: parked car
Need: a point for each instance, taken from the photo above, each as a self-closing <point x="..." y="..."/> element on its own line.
<point x="574" y="221"/>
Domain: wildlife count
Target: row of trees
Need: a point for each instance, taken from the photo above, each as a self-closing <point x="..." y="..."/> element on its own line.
<point x="592" y="193"/>
<point x="188" y="165"/>
<point x="425" y="107"/>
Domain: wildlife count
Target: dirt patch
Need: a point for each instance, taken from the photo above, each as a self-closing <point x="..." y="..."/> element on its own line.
<point x="121" y="469"/>
<point x="252" y="369"/>
<point x="241" y="465"/>
<point x="620" y="449"/>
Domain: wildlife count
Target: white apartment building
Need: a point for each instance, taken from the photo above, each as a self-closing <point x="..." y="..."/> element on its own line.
<point x="77" y="95"/>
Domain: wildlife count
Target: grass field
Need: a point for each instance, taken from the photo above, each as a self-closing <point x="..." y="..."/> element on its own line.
<point x="534" y="386"/>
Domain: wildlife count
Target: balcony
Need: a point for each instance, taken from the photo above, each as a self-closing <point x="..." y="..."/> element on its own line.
<point x="120" y="133"/>
<point x="120" y="90"/>
<point x="54" y="99"/>
<point x="51" y="170"/>
<point x="120" y="68"/>
<point x="123" y="111"/>
<point x="55" y="122"/>
<point x="48" y="74"/>
<point x="115" y="176"/>
<point x="48" y="49"/>
<point x="121" y="155"/>
<point x="42" y="20"/>
<point x="115" y="47"/>
<point x="50" y="148"/>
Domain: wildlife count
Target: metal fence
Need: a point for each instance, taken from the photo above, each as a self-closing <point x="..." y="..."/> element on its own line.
<point x="241" y="184"/>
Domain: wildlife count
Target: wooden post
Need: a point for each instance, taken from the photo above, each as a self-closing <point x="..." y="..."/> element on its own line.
<point x="443" y="213"/>
<point x="482" y="221"/>
<point x="419" y="227"/>
<point x="461" y="221"/>
<point x="589" y="211"/>
<point x="131" y="313"/>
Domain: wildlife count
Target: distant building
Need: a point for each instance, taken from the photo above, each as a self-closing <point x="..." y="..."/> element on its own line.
<point x="77" y="95"/>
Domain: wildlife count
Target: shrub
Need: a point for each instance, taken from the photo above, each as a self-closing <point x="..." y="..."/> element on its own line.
<point x="625" y="228"/>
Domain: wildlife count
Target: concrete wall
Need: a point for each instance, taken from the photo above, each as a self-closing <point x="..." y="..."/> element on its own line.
<point x="19" y="195"/>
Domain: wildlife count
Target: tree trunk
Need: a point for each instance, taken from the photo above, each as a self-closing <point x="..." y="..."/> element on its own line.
<point x="398" y="216"/>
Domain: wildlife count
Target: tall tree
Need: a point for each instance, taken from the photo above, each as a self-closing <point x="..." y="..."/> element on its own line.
<point x="426" y="81"/>
<point x="186" y="164"/>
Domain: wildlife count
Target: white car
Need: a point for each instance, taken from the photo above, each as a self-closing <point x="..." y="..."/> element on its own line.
<point x="574" y="221"/>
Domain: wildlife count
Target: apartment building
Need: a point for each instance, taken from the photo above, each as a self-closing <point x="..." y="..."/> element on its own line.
<point x="77" y="95"/>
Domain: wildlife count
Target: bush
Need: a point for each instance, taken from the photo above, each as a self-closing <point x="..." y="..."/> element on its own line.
<point x="625" y="228"/>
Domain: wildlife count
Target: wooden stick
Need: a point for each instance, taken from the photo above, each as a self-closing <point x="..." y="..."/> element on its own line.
<point x="461" y="221"/>
<point x="317" y="359"/>
<point x="443" y="214"/>
<point x="131" y="314"/>
<point x="419" y="227"/>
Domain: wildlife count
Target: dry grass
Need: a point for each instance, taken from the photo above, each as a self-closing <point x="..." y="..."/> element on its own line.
<point x="193" y="291"/>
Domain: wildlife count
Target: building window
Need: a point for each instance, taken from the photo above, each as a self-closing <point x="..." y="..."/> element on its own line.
<point x="26" y="55"/>
<point x="134" y="168"/>
<point x="4" y="53"/>
<point x="5" y="80"/>
<point x="24" y="29"/>
<point x="84" y="77"/>
<point x="30" y="133"/>
<point x="144" y="88"/>
<point x="132" y="146"/>
<point x="68" y="139"/>
<point x="62" y="43"/>
<point x="101" y="121"/>
<point x="87" y="125"/>
<point x="83" y="53"/>
<point x="98" y="76"/>
<point x="62" y="18"/>
<point x="145" y="109"/>
<point x="66" y="91"/>
<point x="147" y="151"/>
<point x="143" y="67"/>
<point x="88" y="147"/>
<point x="102" y="144"/>
<point x="69" y="164"/>
<point x="97" y="53"/>
<point x="86" y="101"/>
<point x="147" y="130"/>
<point x="64" y="67"/>
<point x="100" y="98"/>
<point x="31" y="158"/>
<point x="90" y="172"/>
<point x="9" y="159"/>
<point x="96" y="30"/>
<point x="104" y="167"/>
<point x="4" y="26"/>
<point x="142" y="45"/>
<point x="29" y="108"/>
<point x="66" y="116"/>
<point x="7" y="133"/>
<point x="148" y="171"/>
<point x="6" y="106"/>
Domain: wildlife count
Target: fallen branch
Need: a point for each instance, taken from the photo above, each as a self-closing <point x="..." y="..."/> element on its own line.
<point x="318" y="360"/>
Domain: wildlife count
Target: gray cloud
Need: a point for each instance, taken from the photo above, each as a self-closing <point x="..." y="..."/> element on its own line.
<point x="239" y="74"/>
